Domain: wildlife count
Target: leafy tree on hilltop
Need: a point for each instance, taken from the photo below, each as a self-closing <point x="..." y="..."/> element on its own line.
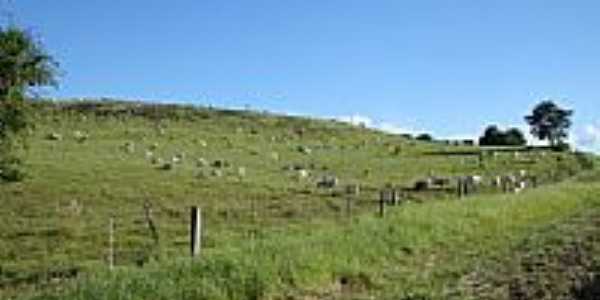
<point x="425" y="137"/>
<point x="550" y="122"/>
<point x="496" y="137"/>
<point x="24" y="64"/>
<point x="515" y="137"/>
<point x="491" y="136"/>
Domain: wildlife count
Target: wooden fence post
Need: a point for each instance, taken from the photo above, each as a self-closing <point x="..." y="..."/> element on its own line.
<point x="195" y="230"/>
<point x="459" y="187"/>
<point x="352" y="190"/>
<point x="150" y="223"/>
<point x="396" y="197"/>
<point x="382" y="200"/>
<point x="111" y="243"/>
<point x="481" y="160"/>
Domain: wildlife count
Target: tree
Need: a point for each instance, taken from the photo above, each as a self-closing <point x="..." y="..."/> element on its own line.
<point x="24" y="65"/>
<point x="425" y="137"/>
<point x="493" y="136"/>
<point x="550" y="122"/>
<point x="514" y="137"/>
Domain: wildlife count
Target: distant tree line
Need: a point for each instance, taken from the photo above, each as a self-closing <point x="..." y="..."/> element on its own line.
<point x="493" y="136"/>
<point x="547" y="121"/>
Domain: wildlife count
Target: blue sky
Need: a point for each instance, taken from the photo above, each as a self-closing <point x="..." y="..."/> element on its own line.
<point x="447" y="67"/>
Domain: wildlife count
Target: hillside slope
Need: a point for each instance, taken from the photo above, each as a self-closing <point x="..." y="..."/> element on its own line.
<point x="252" y="174"/>
<point x="492" y="247"/>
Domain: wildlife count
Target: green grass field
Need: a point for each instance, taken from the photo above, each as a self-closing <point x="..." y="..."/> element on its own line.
<point x="269" y="231"/>
<point x="417" y="252"/>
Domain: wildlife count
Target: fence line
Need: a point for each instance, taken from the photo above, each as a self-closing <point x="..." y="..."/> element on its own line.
<point x="135" y="236"/>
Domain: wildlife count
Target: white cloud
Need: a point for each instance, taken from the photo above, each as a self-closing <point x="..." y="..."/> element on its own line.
<point x="587" y="138"/>
<point x="357" y="120"/>
<point x="460" y="137"/>
<point x="361" y="120"/>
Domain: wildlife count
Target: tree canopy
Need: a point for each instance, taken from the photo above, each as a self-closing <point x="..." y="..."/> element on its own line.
<point x="426" y="137"/>
<point x="550" y="122"/>
<point x="493" y="136"/>
<point x="24" y="64"/>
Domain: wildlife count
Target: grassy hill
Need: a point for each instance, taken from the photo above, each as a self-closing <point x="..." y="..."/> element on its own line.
<point x="255" y="177"/>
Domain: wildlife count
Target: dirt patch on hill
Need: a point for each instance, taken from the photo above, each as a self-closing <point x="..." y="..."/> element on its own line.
<point x="561" y="261"/>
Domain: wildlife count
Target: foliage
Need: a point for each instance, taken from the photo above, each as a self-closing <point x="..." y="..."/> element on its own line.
<point x="425" y="137"/>
<point x="550" y="122"/>
<point x="24" y="64"/>
<point x="514" y="136"/>
<point x="496" y="137"/>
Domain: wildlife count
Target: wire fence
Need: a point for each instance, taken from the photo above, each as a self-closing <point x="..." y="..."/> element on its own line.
<point x="66" y="238"/>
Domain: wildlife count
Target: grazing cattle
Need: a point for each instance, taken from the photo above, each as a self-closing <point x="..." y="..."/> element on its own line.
<point x="440" y="181"/>
<point x="241" y="171"/>
<point x="129" y="147"/>
<point x="474" y="180"/>
<point x="220" y="163"/>
<point x="497" y="181"/>
<point x="80" y="136"/>
<point x="422" y="185"/>
<point x="176" y="159"/>
<point x="510" y="179"/>
<point x="304" y="150"/>
<point x="522" y="173"/>
<point x="166" y="166"/>
<point x="156" y="160"/>
<point x="201" y="162"/>
<point x="302" y="173"/>
<point x="508" y="182"/>
<point x="469" y="184"/>
<point x="519" y="187"/>
<point x="327" y="181"/>
<point x="54" y="136"/>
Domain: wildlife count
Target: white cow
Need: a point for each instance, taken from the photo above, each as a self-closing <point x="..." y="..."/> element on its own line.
<point x="474" y="180"/>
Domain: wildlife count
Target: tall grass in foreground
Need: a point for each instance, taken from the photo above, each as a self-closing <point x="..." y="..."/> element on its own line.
<point x="416" y="251"/>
